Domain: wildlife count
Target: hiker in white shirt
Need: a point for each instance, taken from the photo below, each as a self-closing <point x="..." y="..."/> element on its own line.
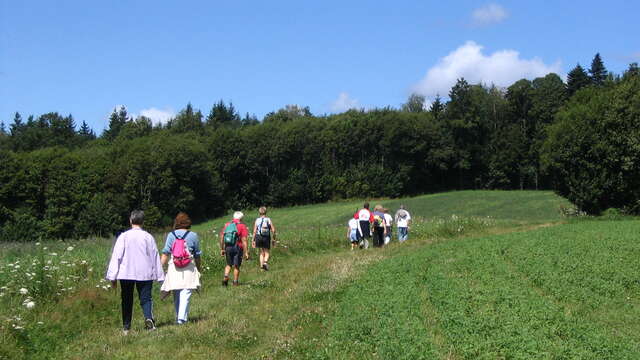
<point x="403" y="220"/>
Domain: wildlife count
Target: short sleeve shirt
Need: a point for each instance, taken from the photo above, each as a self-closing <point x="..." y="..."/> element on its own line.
<point x="242" y="230"/>
<point x="193" y="244"/>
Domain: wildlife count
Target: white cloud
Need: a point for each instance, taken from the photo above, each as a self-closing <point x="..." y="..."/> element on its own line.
<point x="501" y="68"/>
<point x="344" y="102"/>
<point x="489" y="14"/>
<point x="158" y="116"/>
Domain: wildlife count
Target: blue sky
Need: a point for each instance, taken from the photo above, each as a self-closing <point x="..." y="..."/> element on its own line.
<point x="155" y="56"/>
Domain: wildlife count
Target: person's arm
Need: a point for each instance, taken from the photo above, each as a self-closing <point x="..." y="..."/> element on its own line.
<point x="273" y="233"/>
<point x="164" y="259"/>
<point x="222" y="243"/>
<point x="152" y="249"/>
<point x="166" y="250"/>
<point x="253" y="238"/>
<point x="245" y="246"/>
<point x="114" y="263"/>
<point x="197" y="252"/>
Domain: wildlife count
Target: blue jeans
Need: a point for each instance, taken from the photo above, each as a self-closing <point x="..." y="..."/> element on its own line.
<point x="144" y="293"/>
<point x="403" y="234"/>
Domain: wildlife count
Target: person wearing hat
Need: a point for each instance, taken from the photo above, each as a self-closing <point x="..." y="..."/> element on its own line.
<point x="233" y="243"/>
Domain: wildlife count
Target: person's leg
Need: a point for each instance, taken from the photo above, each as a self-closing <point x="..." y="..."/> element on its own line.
<point x="126" y="295"/>
<point x="176" y="303"/>
<point x="236" y="274"/>
<point x="261" y="257"/>
<point x="183" y="311"/>
<point x="146" y="302"/>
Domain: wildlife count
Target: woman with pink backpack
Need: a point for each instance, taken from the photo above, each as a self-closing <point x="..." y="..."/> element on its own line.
<point x="182" y="252"/>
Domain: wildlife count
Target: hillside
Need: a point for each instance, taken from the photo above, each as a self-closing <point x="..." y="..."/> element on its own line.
<point x="483" y="275"/>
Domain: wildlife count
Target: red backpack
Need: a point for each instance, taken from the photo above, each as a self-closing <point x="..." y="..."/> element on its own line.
<point x="179" y="251"/>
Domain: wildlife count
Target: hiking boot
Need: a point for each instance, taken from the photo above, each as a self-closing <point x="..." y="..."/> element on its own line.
<point x="149" y="325"/>
<point x="225" y="282"/>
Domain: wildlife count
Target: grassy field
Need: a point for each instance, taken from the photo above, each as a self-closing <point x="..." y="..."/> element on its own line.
<point x="486" y="274"/>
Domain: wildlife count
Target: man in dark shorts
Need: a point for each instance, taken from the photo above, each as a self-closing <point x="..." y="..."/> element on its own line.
<point x="365" y="216"/>
<point x="234" y="252"/>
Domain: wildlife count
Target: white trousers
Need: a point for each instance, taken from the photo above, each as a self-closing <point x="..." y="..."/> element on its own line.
<point x="181" y="302"/>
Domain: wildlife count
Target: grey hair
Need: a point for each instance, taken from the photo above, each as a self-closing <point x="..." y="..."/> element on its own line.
<point x="238" y="215"/>
<point x="137" y="217"/>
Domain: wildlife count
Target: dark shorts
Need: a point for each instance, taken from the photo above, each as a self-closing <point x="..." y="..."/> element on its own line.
<point x="366" y="229"/>
<point x="263" y="242"/>
<point x="234" y="255"/>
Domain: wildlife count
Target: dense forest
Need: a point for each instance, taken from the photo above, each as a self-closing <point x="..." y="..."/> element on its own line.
<point x="580" y="138"/>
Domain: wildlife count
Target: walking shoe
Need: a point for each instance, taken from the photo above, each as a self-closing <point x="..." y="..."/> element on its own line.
<point x="125" y="332"/>
<point x="235" y="283"/>
<point x="149" y="325"/>
<point x="225" y="282"/>
<point x="265" y="266"/>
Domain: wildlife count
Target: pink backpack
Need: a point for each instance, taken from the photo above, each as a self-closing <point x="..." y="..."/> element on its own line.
<point x="179" y="252"/>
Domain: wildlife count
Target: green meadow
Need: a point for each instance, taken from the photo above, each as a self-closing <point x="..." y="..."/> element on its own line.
<point x="484" y="275"/>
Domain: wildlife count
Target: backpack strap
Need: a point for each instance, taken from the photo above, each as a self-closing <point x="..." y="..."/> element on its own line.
<point x="183" y="237"/>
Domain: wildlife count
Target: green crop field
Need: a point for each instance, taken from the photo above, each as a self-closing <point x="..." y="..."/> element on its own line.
<point x="485" y="274"/>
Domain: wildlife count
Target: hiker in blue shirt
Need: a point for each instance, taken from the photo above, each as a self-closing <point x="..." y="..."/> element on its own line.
<point x="183" y="275"/>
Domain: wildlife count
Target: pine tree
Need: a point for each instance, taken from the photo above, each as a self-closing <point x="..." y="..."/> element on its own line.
<point x="223" y="115"/>
<point x="17" y="126"/>
<point x="577" y="79"/>
<point x="598" y="71"/>
<point x="437" y="107"/>
<point x="117" y="120"/>
<point x="85" y="132"/>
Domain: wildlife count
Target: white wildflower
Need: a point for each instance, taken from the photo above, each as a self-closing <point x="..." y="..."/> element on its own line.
<point x="38" y="244"/>
<point x="54" y="254"/>
<point x="70" y="248"/>
<point x="23" y="291"/>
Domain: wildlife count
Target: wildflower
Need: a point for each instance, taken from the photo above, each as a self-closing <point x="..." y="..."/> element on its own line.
<point x="54" y="254"/>
<point x="70" y="248"/>
<point x="40" y="323"/>
<point x="38" y="244"/>
<point x="83" y="262"/>
<point x="17" y="327"/>
<point x="23" y="291"/>
<point x="29" y="304"/>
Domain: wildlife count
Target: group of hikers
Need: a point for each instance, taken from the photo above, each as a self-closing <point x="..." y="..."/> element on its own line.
<point x="135" y="261"/>
<point x="366" y="224"/>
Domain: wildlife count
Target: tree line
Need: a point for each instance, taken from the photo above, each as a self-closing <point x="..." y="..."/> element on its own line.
<point x="580" y="138"/>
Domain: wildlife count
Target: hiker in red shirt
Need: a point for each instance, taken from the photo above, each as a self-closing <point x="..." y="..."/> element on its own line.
<point x="233" y="242"/>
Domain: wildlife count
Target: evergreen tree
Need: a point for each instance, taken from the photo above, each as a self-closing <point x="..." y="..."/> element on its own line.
<point x="250" y="120"/>
<point x="117" y="120"/>
<point x="576" y="80"/>
<point x="633" y="70"/>
<point x="223" y="115"/>
<point x="414" y="104"/>
<point x="85" y="132"/>
<point x="187" y="120"/>
<point x="17" y="126"/>
<point x="437" y="107"/>
<point x="598" y="71"/>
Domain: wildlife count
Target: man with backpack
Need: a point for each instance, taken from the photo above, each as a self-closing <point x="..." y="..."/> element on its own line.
<point x="233" y="243"/>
